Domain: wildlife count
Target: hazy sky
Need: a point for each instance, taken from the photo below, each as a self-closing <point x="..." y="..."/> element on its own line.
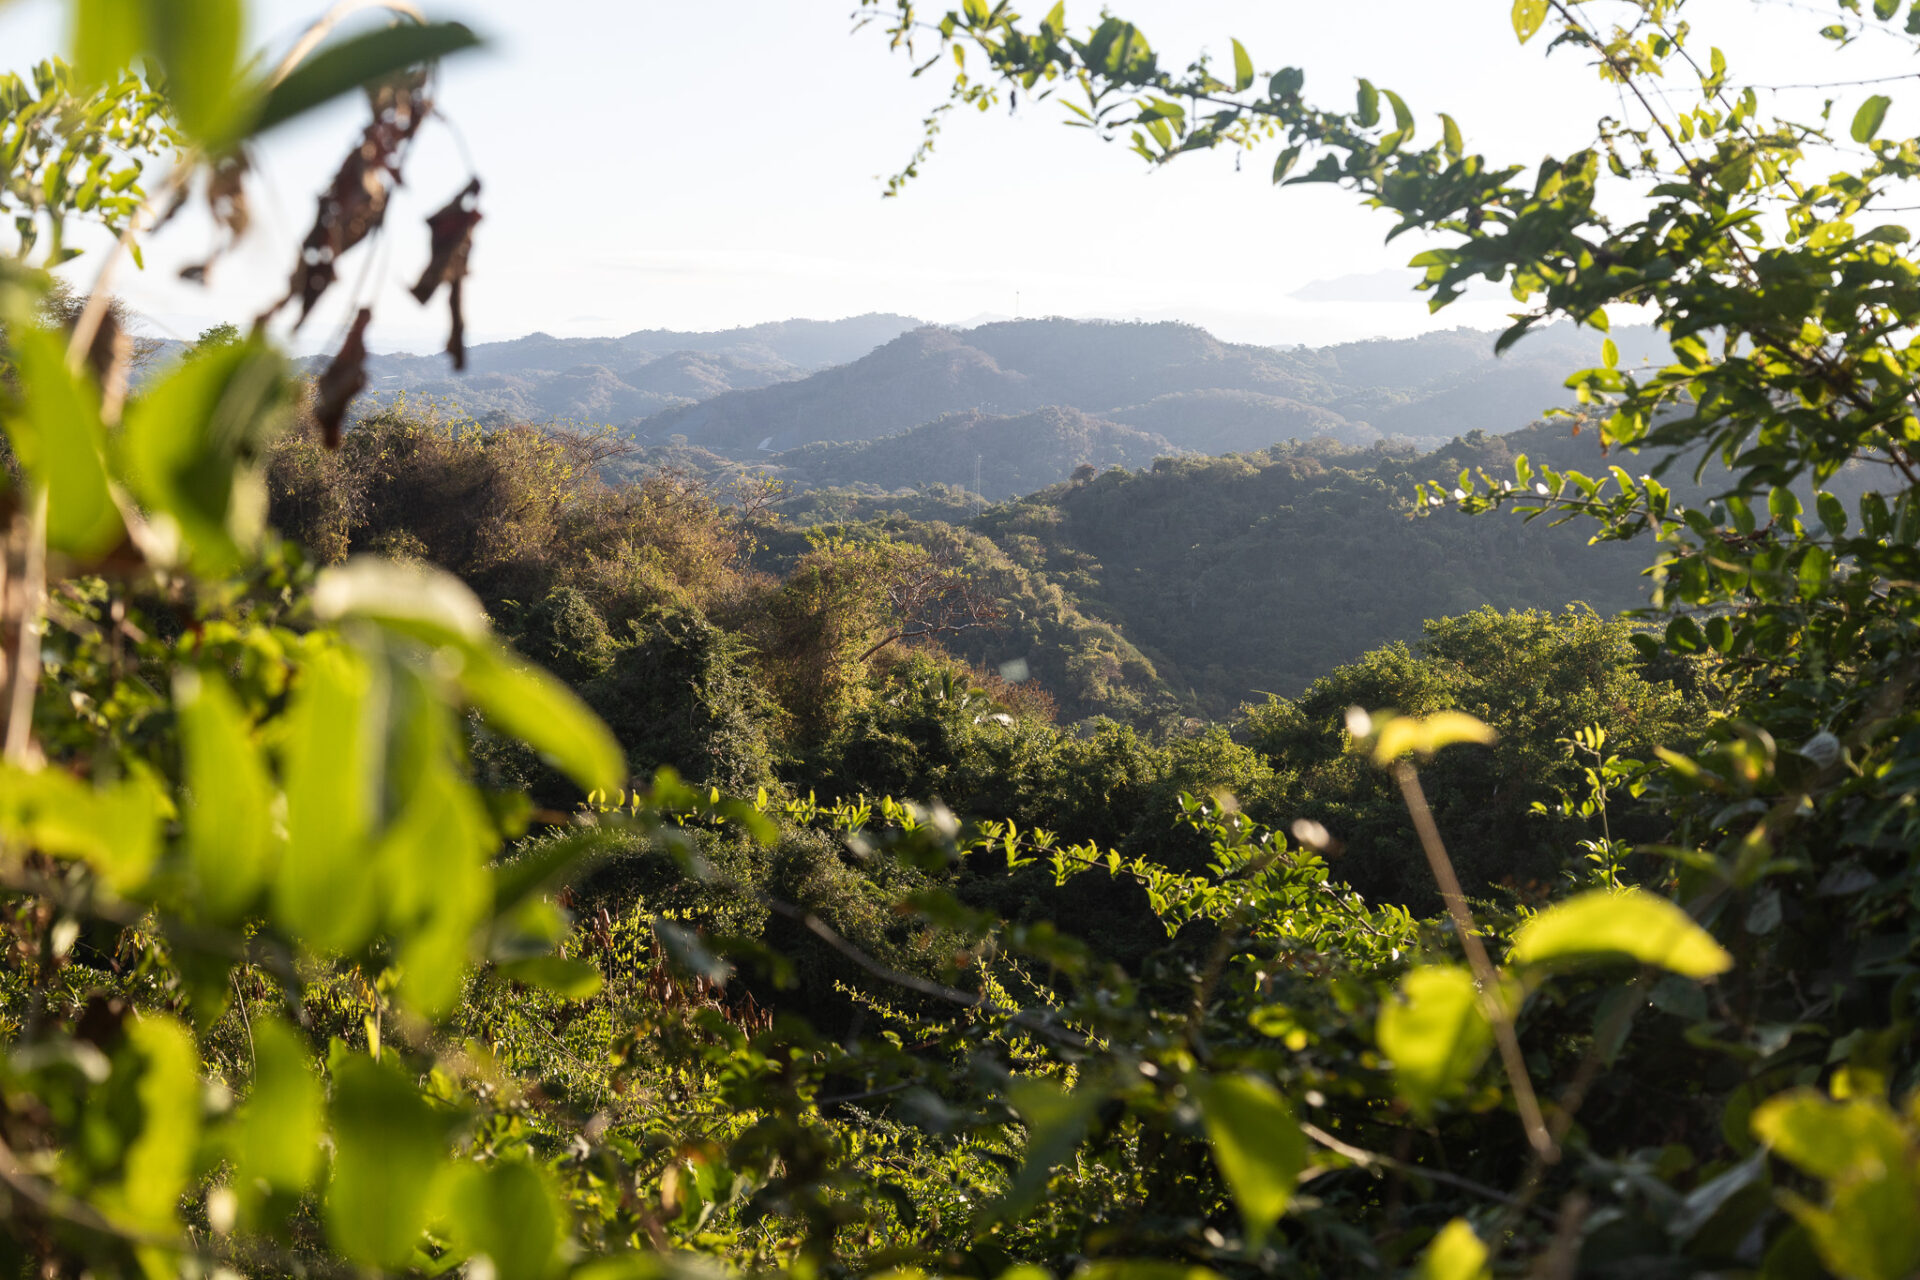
<point x="698" y="165"/>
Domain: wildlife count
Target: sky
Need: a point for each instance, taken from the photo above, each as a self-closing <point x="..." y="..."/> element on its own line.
<point x="683" y="165"/>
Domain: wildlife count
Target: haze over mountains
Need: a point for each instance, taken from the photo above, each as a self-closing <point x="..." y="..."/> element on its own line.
<point x="882" y="401"/>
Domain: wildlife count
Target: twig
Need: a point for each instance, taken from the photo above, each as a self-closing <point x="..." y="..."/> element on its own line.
<point x="1373" y="1159"/>
<point x="1484" y="976"/>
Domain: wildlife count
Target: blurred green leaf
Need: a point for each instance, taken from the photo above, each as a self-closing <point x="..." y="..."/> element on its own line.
<point x="1436" y="1032"/>
<point x="1528" y="16"/>
<point x="569" y="979"/>
<point x="325" y="892"/>
<point x="1257" y="1144"/>
<point x="107" y="35"/>
<point x="1455" y="1254"/>
<point x="116" y="828"/>
<point x="1631" y="923"/>
<point x="359" y="60"/>
<point x="57" y="434"/>
<point x="277" y="1137"/>
<point x="200" y="44"/>
<point x="508" y="1212"/>
<point x="160" y="1162"/>
<point x="229" y="810"/>
<point x="1056" y="1120"/>
<point x="389" y="1144"/>
<point x="190" y="444"/>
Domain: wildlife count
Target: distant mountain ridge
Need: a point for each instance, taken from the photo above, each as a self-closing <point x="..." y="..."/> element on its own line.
<point x="619" y="381"/>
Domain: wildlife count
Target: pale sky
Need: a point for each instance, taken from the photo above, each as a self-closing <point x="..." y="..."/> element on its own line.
<point x="662" y="164"/>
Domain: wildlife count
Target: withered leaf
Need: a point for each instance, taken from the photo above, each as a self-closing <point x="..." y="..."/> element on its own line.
<point x="451" y="229"/>
<point x="345" y="378"/>
<point x="355" y="202"/>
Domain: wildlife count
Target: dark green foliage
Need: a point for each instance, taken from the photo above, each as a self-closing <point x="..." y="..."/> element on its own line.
<point x="1534" y="677"/>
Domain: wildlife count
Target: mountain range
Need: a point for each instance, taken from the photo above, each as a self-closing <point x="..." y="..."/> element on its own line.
<point x="883" y="402"/>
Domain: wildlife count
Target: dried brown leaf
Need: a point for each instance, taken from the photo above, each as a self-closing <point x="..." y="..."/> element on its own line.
<point x="345" y="378"/>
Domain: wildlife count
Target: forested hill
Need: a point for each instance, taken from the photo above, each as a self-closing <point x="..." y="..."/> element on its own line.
<point x="620" y="380"/>
<point x="1178" y="380"/>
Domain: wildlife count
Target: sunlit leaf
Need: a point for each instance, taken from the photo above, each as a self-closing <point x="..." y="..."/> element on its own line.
<point x="1256" y="1143"/>
<point x="509" y="1213"/>
<point x="1631" y="923"/>
<point x="57" y="433"/>
<point x="229" y="810"/>
<point x="1400" y="735"/>
<point x="388" y="1144"/>
<point x="277" y="1138"/>
<point x="1455" y="1254"/>
<point x="1435" y="1030"/>
<point x="569" y="979"/>
<point x="1528" y="16"/>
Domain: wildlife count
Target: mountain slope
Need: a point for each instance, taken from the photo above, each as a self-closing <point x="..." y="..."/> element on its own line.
<point x="1177" y="380"/>
<point x="994" y="456"/>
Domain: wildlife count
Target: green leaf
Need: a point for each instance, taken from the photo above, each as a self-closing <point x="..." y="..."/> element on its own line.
<point x="516" y="698"/>
<point x="1055" y="1120"/>
<point x="1402" y="115"/>
<point x="1367" y="105"/>
<point x="1868" y="119"/>
<point x="1832" y="513"/>
<point x="1257" y="1145"/>
<point x="200" y="44"/>
<point x="1528" y="16"/>
<point x="1242" y="68"/>
<point x="107" y="36"/>
<point x="1450" y="142"/>
<point x="509" y="1213"/>
<point x="277" y="1138"/>
<point x="1455" y="1254"/>
<point x="569" y="979"/>
<point x="1834" y="1141"/>
<point x="323" y="892"/>
<point x="1631" y="923"/>
<point x="188" y="446"/>
<point x="229" y="800"/>
<point x="347" y="65"/>
<point x="1816" y="566"/>
<point x="1436" y="1032"/>
<point x="116" y="829"/>
<point x="389" y="1143"/>
<point x="1396" y="736"/>
<point x="1284" y="162"/>
<point x="1870" y="1231"/>
<point x="59" y="438"/>
<point x="160" y="1163"/>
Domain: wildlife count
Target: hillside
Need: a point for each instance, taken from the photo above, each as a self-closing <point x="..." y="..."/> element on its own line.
<point x="994" y="456"/>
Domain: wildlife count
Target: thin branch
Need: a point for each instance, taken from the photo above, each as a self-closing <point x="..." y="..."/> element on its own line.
<point x="1484" y="975"/>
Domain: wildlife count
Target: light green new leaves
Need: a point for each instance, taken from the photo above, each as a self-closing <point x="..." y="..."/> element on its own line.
<point x="1436" y="1032"/>
<point x="1256" y="1144"/>
<point x="389" y="1143"/>
<point x="517" y="699"/>
<point x="1455" y="1254"/>
<point x="229" y="811"/>
<point x="1632" y="923"/>
<point x="277" y="1138"/>
<point x="1867" y="1158"/>
<point x="58" y="436"/>
<point x="115" y="828"/>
